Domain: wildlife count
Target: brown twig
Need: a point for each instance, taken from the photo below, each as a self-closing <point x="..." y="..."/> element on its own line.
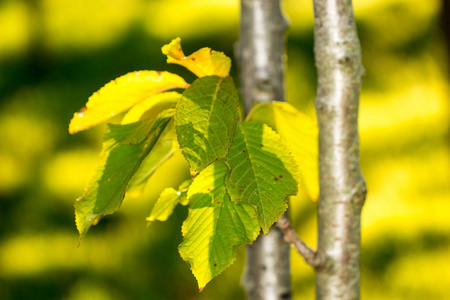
<point x="313" y="258"/>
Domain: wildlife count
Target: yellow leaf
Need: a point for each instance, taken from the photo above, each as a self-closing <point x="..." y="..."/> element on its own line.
<point x="151" y="106"/>
<point x="204" y="62"/>
<point x="122" y="93"/>
<point x="301" y="135"/>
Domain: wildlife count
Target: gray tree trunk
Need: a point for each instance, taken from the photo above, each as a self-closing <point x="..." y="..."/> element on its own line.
<point x="342" y="187"/>
<point x="261" y="56"/>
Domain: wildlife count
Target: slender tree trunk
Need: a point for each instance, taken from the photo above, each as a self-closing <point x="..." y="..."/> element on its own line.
<point x="342" y="187"/>
<point x="261" y="56"/>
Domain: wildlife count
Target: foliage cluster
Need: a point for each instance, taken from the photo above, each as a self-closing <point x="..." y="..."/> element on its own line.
<point x="243" y="172"/>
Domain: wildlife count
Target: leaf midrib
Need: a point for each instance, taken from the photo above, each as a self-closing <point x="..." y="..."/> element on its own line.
<point x="254" y="174"/>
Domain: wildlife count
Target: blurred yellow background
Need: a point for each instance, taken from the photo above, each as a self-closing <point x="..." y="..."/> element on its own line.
<point x="55" y="53"/>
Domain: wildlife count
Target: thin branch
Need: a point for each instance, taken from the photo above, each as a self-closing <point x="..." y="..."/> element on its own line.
<point x="311" y="257"/>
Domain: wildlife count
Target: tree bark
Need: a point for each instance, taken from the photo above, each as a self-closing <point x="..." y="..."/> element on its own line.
<point x="260" y="51"/>
<point x="342" y="187"/>
<point x="261" y="56"/>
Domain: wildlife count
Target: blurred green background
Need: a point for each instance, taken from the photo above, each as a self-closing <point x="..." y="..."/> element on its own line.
<point x="55" y="53"/>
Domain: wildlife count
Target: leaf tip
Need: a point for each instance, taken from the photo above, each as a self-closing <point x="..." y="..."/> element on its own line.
<point x="81" y="237"/>
<point x="204" y="62"/>
<point x="74" y="127"/>
<point x="72" y="130"/>
<point x="200" y="289"/>
<point x="173" y="49"/>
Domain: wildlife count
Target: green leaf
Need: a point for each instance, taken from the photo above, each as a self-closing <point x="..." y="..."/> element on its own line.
<point x="119" y="161"/>
<point x="121" y="94"/>
<point x="204" y="62"/>
<point x="167" y="201"/>
<point x="301" y="135"/>
<point x="215" y="226"/>
<point x="205" y="119"/>
<point x="262" y="171"/>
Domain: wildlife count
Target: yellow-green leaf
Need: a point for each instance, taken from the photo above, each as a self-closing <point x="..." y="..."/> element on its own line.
<point x="162" y="152"/>
<point x="121" y="94"/>
<point x="119" y="161"/>
<point x="215" y="226"/>
<point x="204" y="62"/>
<point x="301" y="135"/>
<point x="205" y="118"/>
<point x="167" y="201"/>
<point x="262" y="171"/>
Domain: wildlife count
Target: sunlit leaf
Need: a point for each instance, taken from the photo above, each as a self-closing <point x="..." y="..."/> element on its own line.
<point x="215" y="226"/>
<point x="118" y="163"/>
<point x="301" y="135"/>
<point x="162" y="152"/>
<point x="167" y="201"/>
<point x="121" y="94"/>
<point x="151" y="106"/>
<point x="204" y="62"/>
<point x="205" y="119"/>
<point x="263" y="173"/>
